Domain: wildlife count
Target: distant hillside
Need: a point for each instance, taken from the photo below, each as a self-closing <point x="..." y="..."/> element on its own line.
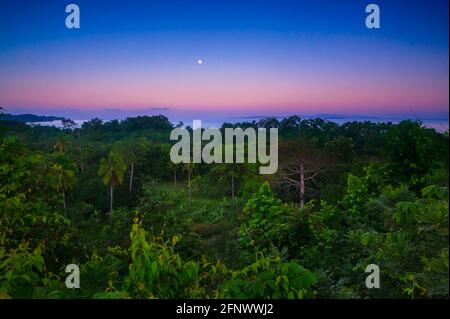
<point x="29" y="118"/>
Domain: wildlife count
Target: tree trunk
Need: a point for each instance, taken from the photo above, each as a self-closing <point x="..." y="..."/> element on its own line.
<point x="232" y="186"/>
<point x="111" y="205"/>
<point x="189" y="187"/>
<point x="131" y="177"/>
<point x="302" y="187"/>
<point x="175" y="176"/>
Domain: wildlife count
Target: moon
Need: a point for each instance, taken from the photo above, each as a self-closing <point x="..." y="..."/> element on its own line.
<point x="199" y="61"/>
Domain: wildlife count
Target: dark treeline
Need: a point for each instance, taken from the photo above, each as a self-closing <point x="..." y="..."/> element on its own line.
<point x="345" y="196"/>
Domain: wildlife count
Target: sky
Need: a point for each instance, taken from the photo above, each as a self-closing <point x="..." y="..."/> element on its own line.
<point x="258" y="58"/>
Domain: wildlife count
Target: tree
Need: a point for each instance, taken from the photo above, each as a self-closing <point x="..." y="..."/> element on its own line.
<point x="413" y="245"/>
<point x="343" y="148"/>
<point x="231" y="172"/>
<point x="264" y="221"/>
<point x="158" y="123"/>
<point x="303" y="163"/>
<point x="112" y="170"/>
<point x="174" y="168"/>
<point x="68" y="124"/>
<point x="61" y="143"/>
<point x="189" y="168"/>
<point x="79" y="151"/>
<point x="64" y="172"/>
<point x="132" y="150"/>
<point x="289" y="126"/>
<point x="92" y="125"/>
<point x="269" y="122"/>
<point x="412" y="151"/>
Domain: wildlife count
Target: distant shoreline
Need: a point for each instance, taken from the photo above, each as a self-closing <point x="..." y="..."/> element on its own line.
<point x="30" y="118"/>
<point x="440" y="125"/>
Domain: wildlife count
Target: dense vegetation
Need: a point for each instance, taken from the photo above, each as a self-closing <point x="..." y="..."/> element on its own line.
<point x="107" y="198"/>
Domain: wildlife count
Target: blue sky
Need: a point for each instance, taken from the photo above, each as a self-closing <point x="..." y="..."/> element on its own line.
<point x="270" y="56"/>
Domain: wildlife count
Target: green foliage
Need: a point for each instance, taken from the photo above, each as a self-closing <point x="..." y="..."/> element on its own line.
<point x="270" y="278"/>
<point x="156" y="271"/>
<point x="343" y="148"/>
<point x="112" y="169"/>
<point x="20" y="271"/>
<point x="263" y="220"/>
<point x="384" y="201"/>
<point x="356" y="196"/>
<point x="414" y="251"/>
<point x="411" y="151"/>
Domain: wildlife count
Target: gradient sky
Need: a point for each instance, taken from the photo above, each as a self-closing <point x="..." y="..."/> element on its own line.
<point x="260" y="57"/>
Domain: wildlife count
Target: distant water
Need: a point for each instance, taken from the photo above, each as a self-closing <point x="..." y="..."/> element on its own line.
<point x="438" y="125"/>
<point x="56" y="123"/>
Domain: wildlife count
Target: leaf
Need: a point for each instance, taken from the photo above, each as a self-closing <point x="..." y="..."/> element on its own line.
<point x="154" y="267"/>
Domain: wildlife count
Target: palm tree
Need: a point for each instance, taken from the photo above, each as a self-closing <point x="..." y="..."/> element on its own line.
<point x="231" y="171"/>
<point x="81" y="153"/>
<point x="112" y="170"/>
<point x="64" y="172"/>
<point x="234" y="172"/>
<point x="132" y="150"/>
<point x="174" y="167"/>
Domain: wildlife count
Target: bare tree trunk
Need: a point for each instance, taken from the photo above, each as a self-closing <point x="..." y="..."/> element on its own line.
<point x="189" y="187"/>
<point x="175" y="176"/>
<point x="232" y="186"/>
<point x="111" y="205"/>
<point x="302" y="186"/>
<point x="131" y="177"/>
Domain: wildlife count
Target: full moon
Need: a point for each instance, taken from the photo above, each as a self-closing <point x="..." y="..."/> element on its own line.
<point x="200" y="61"/>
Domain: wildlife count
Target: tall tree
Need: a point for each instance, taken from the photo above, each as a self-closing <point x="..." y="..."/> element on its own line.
<point x="230" y="172"/>
<point x="174" y="169"/>
<point x="189" y="168"/>
<point x="112" y="169"/>
<point x="302" y="164"/>
<point x="64" y="173"/>
<point x="132" y="150"/>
